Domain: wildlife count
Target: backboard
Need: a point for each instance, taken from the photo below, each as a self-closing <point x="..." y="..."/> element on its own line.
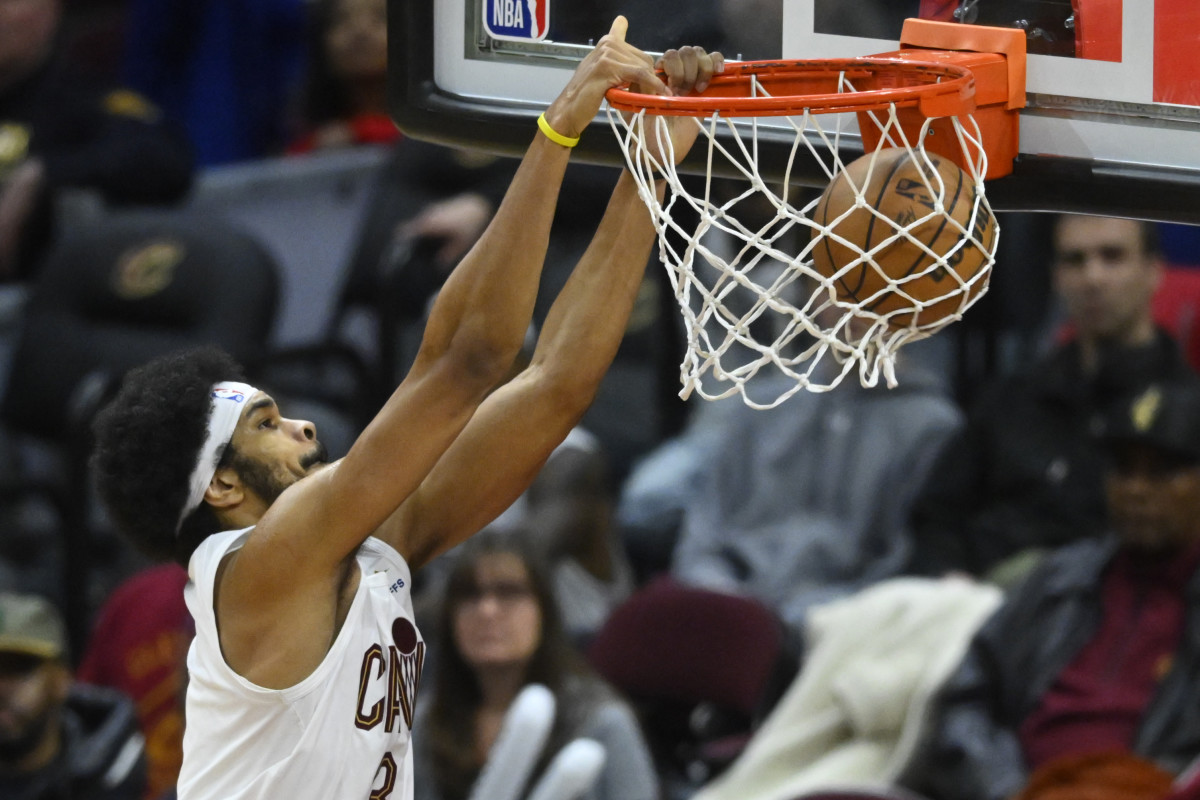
<point x="1112" y="123"/>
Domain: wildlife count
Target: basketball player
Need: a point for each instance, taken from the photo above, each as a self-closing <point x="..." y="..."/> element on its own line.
<point x="306" y="662"/>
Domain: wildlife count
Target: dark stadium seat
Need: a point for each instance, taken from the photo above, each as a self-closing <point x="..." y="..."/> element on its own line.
<point x="702" y="667"/>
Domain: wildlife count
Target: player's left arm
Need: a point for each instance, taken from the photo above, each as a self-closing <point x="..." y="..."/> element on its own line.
<point x="516" y="428"/>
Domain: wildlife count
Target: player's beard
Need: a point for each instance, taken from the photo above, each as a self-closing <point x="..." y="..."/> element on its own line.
<point x="264" y="481"/>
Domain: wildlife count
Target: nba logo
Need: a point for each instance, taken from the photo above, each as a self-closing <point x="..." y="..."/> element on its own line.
<point x="229" y="394"/>
<point x="519" y="20"/>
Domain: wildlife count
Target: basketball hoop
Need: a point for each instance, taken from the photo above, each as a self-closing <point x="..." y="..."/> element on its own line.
<point x="811" y="288"/>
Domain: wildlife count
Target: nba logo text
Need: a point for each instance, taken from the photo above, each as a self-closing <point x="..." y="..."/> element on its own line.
<point x="517" y="20"/>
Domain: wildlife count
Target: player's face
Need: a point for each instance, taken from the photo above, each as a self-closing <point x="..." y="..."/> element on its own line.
<point x="356" y="42"/>
<point x="273" y="452"/>
<point x="1104" y="277"/>
<point x="499" y="624"/>
<point x="1154" y="499"/>
<point x="32" y="691"/>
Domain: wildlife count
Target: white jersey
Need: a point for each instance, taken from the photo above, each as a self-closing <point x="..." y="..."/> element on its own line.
<point x="343" y="733"/>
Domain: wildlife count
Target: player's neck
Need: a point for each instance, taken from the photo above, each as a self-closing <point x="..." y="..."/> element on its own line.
<point x="243" y="515"/>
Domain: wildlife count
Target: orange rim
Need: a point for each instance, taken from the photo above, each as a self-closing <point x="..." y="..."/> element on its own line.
<point x="798" y="86"/>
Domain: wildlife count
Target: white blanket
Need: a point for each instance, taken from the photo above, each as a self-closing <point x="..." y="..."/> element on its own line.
<point x="856" y="712"/>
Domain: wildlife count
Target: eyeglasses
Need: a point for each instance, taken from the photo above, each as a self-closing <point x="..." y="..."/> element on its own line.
<point x="505" y="593"/>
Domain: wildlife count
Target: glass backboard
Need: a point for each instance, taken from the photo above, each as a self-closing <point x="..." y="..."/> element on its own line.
<point x="1112" y="123"/>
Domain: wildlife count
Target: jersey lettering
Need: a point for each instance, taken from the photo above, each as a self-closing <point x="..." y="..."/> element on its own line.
<point x="368" y="719"/>
<point x="388" y="767"/>
<point x="393" y="678"/>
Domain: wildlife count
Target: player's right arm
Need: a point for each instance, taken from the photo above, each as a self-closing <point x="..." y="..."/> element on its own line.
<point x="475" y="329"/>
<point x="287" y="575"/>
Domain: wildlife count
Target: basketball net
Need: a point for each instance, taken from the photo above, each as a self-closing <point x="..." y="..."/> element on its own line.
<point x="751" y="302"/>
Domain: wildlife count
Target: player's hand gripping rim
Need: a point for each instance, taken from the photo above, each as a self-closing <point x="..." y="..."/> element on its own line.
<point x="615" y="62"/>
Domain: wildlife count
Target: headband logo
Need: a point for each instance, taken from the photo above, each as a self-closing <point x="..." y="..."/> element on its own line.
<point x="235" y="395"/>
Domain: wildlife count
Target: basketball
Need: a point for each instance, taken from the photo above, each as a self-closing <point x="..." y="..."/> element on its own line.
<point x="903" y="190"/>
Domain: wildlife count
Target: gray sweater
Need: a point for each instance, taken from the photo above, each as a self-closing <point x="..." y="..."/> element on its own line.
<point x="808" y="501"/>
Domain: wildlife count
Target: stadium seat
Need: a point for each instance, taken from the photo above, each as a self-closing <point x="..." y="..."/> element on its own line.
<point x="702" y="668"/>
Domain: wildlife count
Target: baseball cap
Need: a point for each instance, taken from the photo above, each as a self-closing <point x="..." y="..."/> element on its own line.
<point x="1165" y="416"/>
<point x="31" y="625"/>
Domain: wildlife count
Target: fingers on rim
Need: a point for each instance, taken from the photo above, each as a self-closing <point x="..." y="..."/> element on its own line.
<point x="648" y="81"/>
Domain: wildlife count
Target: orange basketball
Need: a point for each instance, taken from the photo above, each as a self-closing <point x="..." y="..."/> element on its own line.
<point x="903" y="190"/>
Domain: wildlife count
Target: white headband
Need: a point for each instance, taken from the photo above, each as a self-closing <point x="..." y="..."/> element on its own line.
<point x="228" y="400"/>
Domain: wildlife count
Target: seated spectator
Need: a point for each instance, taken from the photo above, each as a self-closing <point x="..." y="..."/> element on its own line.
<point x="1091" y="663"/>
<point x="139" y="647"/>
<point x="806" y="502"/>
<point x="59" y="739"/>
<point x="1025" y="473"/>
<point x="430" y="202"/>
<point x="61" y="130"/>
<point x="345" y="93"/>
<point x="500" y="631"/>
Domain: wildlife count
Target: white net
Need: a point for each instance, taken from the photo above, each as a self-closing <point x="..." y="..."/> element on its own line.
<point x="771" y="279"/>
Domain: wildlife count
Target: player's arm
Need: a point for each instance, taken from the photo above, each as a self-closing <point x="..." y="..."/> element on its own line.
<point x="474" y="332"/>
<point x="517" y="427"/>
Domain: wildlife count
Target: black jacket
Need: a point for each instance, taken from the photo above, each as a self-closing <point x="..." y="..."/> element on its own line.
<point x="103" y="757"/>
<point x="90" y="136"/>
<point x="1027" y="469"/>
<point x="973" y="752"/>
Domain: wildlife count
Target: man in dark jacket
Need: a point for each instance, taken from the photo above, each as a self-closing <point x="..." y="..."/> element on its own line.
<point x="1026" y="472"/>
<point x="59" y="740"/>
<point x="61" y="130"/>
<point x="1098" y="651"/>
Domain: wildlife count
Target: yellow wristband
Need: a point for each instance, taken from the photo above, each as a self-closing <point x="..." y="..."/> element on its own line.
<point x="555" y="136"/>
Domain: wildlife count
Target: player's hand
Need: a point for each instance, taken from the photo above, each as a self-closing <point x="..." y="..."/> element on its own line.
<point x="689" y="70"/>
<point x="612" y="62"/>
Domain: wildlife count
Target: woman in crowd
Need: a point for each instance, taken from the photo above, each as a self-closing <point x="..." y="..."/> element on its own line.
<point x="499" y="631"/>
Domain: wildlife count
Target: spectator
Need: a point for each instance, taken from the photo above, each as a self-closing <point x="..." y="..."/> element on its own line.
<point x="139" y="647"/>
<point x="1026" y="471"/>
<point x="807" y="502"/>
<point x="499" y="631"/>
<point x="59" y="130"/>
<point x="430" y="202"/>
<point x="1093" y="660"/>
<point x="58" y="739"/>
<point x="345" y="94"/>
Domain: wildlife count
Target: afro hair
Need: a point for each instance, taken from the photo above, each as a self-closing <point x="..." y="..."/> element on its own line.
<point x="146" y="444"/>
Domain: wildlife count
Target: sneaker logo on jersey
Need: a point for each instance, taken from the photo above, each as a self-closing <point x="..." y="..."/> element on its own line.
<point x="392" y="675"/>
